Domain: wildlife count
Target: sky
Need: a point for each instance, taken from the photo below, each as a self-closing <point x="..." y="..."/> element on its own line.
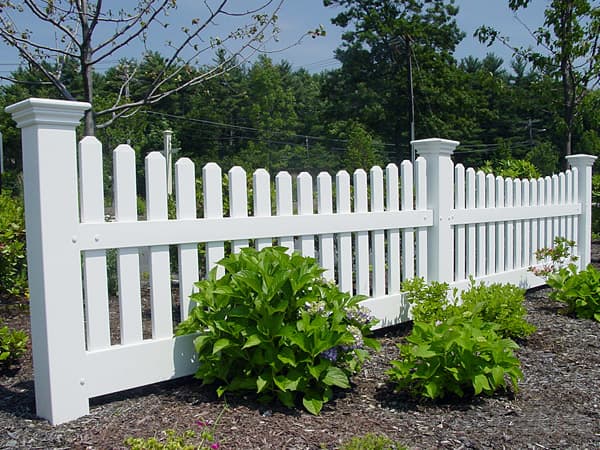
<point x="298" y="16"/>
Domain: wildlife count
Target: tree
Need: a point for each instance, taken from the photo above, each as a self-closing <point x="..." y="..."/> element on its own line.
<point x="570" y="53"/>
<point x="90" y="32"/>
<point x="381" y="37"/>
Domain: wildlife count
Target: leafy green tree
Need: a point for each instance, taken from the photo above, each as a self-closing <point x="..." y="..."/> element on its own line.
<point x="88" y="32"/>
<point x="570" y="54"/>
<point x="371" y="86"/>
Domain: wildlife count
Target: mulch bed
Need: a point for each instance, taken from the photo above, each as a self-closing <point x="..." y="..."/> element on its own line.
<point x="557" y="405"/>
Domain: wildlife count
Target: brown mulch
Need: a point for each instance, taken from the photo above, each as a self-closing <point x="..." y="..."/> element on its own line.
<point x="557" y="406"/>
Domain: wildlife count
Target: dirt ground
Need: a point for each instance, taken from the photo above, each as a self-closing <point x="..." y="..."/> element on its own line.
<point x="557" y="405"/>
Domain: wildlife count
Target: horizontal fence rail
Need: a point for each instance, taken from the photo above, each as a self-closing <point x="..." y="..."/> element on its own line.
<point x="368" y="230"/>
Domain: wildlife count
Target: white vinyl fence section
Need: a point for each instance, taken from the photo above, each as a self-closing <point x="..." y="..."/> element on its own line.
<point x="369" y="231"/>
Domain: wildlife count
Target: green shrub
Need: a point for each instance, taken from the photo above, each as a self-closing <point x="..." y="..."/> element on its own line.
<point x="429" y="301"/>
<point x="501" y="304"/>
<point x="459" y="356"/>
<point x="579" y="290"/>
<point x="511" y="168"/>
<point x="13" y="344"/>
<point x="371" y="441"/>
<point x="182" y="441"/>
<point x="13" y="254"/>
<point x="274" y="326"/>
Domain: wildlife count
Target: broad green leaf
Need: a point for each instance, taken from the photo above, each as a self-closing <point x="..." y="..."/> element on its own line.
<point x="261" y="383"/>
<point x="422" y="351"/>
<point x="200" y="341"/>
<point x="336" y="377"/>
<point x="221" y="344"/>
<point x="498" y="376"/>
<point x="432" y="389"/>
<point x="480" y="383"/>
<point x="312" y="404"/>
<point x="287" y="356"/>
<point x="287" y="383"/>
<point x="317" y="370"/>
<point x="286" y="397"/>
<point x="252" y="341"/>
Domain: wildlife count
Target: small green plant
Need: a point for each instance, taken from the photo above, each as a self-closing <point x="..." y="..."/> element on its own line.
<point x="13" y="344"/>
<point x="554" y="258"/>
<point x="182" y="441"/>
<point x="511" y="168"/>
<point x="459" y="356"/>
<point x="271" y="324"/>
<point x="501" y="304"/>
<point x="371" y="441"/>
<point x="13" y="254"/>
<point x="429" y="301"/>
<point x="579" y="290"/>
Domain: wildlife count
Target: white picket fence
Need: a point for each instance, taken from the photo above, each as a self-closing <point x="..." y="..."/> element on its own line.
<point x="434" y="220"/>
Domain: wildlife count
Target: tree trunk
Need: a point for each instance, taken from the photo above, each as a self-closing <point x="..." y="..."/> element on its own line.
<point x="87" y="72"/>
<point x="567" y="75"/>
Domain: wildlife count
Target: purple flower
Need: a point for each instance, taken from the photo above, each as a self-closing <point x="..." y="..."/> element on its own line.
<point x="200" y="424"/>
<point x="331" y="354"/>
<point x="215" y="445"/>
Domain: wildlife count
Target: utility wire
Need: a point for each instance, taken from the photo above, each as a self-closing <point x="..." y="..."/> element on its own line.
<point x="244" y="128"/>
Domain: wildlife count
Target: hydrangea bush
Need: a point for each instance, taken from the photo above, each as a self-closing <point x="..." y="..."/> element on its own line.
<point x="273" y="325"/>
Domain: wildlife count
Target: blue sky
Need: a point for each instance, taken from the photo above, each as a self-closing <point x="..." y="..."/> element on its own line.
<point x="298" y="16"/>
<point x="314" y="54"/>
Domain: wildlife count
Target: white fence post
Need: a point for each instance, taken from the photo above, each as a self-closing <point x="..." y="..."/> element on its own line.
<point x="440" y="199"/>
<point x="53" y="257"/>
<point x="583" y="164"/>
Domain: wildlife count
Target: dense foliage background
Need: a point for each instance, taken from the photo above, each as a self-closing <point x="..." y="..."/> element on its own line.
<point x="267" y="114"/>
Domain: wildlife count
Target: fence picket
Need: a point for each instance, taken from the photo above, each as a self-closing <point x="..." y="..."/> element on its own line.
<point x="555" y="201"/>
<point x="342" y="182"/>
<point x="185" y="195"/>
<point x="160" y="267"/>
<point x="562" y="189"/>
<point x="238" y="201"/>
<point x="393" y="235"/>
<point x="518" y="226"/>
<point x="526" y="248"/>
<point x="460" y="244"/>
<point x="471" y="230"/>
<point x="549" y="222"/>
<point x="95" y="282"/>
<point x="421" y="204"/>
<point x="284" y="204"/>
<point x="362" y="237"/>
<point x="490" y="202"/>
<point x="533" y="201"/>
<point x="509" y="226"/>
<point x="481" y="227"/>
<point x="128" y="259"/>
<point x="212" y="181"/>
<point x="408" y="235"/>
<point x="541" y="222"/>
<point x="570" y="200"/>
<point x="576" y="219"/>
<point x="378" y="236"/>
<point x="500" y="227"/>
<point x="262" y="201"/>
<point x="325" y="206"/>
<point x="306" y="207"/>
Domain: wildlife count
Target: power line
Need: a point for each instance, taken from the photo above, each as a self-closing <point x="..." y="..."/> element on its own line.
<point x="244" y="128"/>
